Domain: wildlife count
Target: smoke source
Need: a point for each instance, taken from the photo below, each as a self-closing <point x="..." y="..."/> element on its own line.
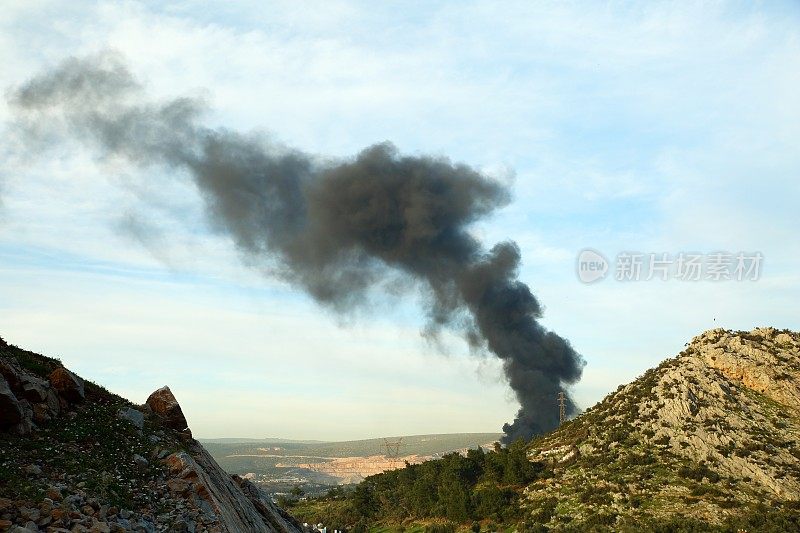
<point x="336" y="230"/>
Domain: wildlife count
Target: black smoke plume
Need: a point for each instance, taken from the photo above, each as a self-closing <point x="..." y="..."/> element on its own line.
<point x="335" y="229"/>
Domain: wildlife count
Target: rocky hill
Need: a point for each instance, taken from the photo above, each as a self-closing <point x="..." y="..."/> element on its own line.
<point x="708" y="439"/>
<point x="75" y="457"/>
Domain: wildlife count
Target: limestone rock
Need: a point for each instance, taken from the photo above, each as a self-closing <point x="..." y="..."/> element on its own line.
<point x="163" y="404"/>
<point x="136" y="418"/>
<point x="240" y="505"/>
<point x="10" y="411"/>
<point x="34" y="389"/>
<point x="69" y="386"/>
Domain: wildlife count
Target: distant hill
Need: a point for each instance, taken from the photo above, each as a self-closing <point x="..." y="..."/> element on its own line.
<point x="409" y="445"/>
<point x="280" y="464"/>
<point x="707" y="441"/>
<point x="240" y="440"/>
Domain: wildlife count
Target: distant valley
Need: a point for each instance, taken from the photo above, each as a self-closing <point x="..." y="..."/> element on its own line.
<point x="279" y="465"/>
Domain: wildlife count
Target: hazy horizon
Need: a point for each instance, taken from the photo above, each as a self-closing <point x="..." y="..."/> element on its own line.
<point x="279" y="439"/>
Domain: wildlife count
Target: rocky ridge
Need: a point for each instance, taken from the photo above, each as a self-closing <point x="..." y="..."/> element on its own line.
<point x="710" y="436"/>
<point x="74" y="457"/>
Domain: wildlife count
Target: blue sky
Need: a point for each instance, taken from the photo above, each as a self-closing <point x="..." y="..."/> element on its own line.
<point x="651" y="127"/>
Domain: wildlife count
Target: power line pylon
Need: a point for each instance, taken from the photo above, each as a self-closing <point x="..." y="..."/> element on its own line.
<point x="562" y="408"/>
<point x="392" y="447"/>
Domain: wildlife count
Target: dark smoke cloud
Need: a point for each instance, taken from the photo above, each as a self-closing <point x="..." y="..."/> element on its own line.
<point x="334" y="229"/>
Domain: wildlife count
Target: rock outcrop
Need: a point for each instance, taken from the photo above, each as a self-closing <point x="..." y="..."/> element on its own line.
<point x="68" y="385"/>
<point x="164" y="405"/>
<point x="27" y="400"/>
<point x="240" y="505"/>
<point x="10" y="410"/>
<point x="106" y="465"/>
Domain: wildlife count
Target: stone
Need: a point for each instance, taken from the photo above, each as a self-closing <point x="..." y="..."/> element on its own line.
<point x="100" y="527"/>
<point x="33" y="470"/>
<point x="69" y="386"/>
<point x="34" y="389"/>
<point x="140" y="461"/>
<point x="179" y="461"/>
<point x="25" y="425"/>
<point x="53" y="405"/>
<point x="165" y="406"/>
<point x="134" y="417"/>
<point x="41" y="413"/>
<point x="10" y="410"/>
<point x="178" y="486"/>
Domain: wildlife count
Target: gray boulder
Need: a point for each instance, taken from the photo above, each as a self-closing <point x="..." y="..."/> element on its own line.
<point x="136" y="418"/>
<point x="34" y="389"/>
<point x="10" y="410"/>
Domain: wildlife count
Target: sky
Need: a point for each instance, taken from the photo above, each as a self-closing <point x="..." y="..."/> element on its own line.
<point x="621" y="127"/>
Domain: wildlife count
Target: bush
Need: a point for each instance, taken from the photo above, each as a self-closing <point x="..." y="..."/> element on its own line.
<point x="699" y="472"/>
<point x="482" y="485"/>
<point x="532" y="527"/>
<point x="360" y="527"/>
<point x="546" y="510"/>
